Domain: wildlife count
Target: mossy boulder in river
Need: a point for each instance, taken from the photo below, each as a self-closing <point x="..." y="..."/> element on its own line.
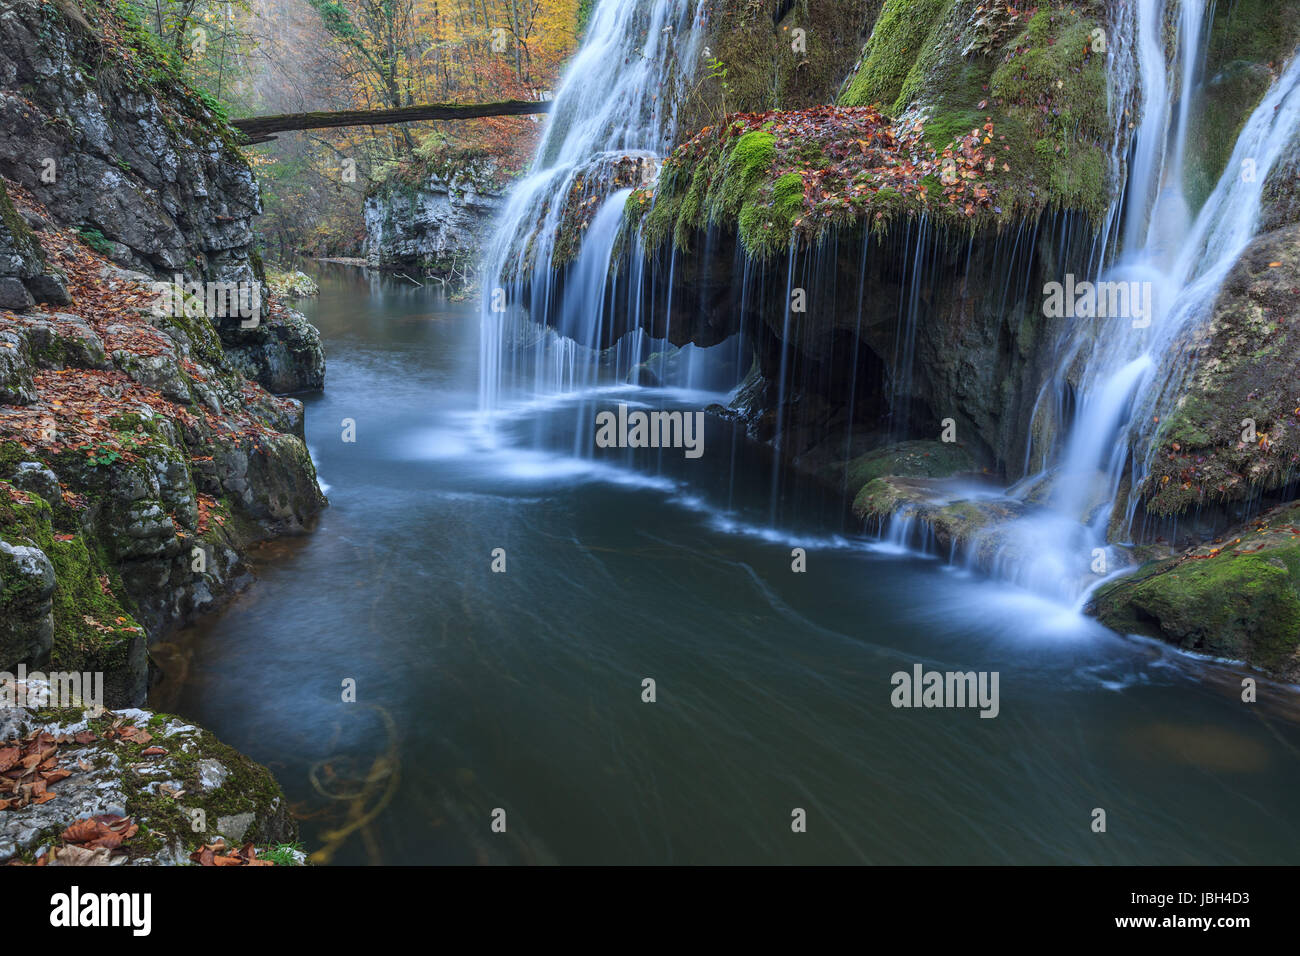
<point x="910" y="459"/>
<point x="1238" y="599"/>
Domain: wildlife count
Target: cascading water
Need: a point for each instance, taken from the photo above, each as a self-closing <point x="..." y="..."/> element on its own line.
<point x="612" y="121"/>
<point x="547" y="306"/>
<point x="1131" y="368"/>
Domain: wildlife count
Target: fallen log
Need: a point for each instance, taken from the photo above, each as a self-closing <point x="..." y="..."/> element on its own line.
<point x="259" y="129"/>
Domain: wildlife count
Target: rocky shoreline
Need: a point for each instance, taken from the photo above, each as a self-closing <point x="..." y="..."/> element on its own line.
<point x="147" y="440"/>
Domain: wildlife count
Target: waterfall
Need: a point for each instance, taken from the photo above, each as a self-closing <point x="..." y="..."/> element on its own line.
<point x="549" y="297"/>
<point x="613" y="119"/>
<point x="1131" y="366"/>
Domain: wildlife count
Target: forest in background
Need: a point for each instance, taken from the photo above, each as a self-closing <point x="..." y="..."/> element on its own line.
<point x="258" y="57"/>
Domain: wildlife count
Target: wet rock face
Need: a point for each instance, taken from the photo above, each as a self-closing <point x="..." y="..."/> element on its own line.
<point x="975" y="346"/>
<point x="283" y="353"/>
<point x="437" y="225"/>
<point x="157" y="183"/>
<point x="1233" y="432"/>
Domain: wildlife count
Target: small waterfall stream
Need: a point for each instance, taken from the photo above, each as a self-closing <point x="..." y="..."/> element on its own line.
<point x="613" y="115"/>
<point x="613" y="121"/>
<point x="1132" y="368"/>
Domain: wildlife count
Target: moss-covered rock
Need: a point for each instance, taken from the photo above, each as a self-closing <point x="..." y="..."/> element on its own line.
<point x="973" y="120"/>
<point x="1036" y="73"/>
<point x="1249" y="42"/>
<point x="957" y="519"/>
<point x="910" y="459"/>
<point x="292" y="285"/>
<point x="88" y="625"/>
<point x="1238" y="599"/>
<point x="179" y="785"/>
<point x="774" y="178"/>
<point x="756" y="61"/>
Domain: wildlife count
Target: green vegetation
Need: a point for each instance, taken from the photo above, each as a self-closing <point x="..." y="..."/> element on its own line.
<point x="93" y="630"/>
<point x="96" y="240"/>
<point x="283" y="854"/>
<point x="1249" y="41"/>
<point x="1240" y="601"/>
<point x="1034" y="75"/>
<point x="753" y="64"/>
<point x="904" y="29"/>
<point x="910" y="459"/>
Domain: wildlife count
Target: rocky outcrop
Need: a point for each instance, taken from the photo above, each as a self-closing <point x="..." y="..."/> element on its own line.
<point x="439" y="225"/>
<point x="282" y="353"/>
<point x="137" y="463"/>
<point x="292" y="285"/>
<point x="885" y="255"/>
<point x="25" y="277"/>
<point x="1232" y="436"/>
<point x="101" y="129"/>
<point x="772" y="55"/>
<point x="165" y="786"/>
<point x="1237" y="597"/>
<point x="112" y="143"/>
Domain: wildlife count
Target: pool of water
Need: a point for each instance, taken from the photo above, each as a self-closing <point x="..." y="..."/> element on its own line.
<point x="522" y="691"/>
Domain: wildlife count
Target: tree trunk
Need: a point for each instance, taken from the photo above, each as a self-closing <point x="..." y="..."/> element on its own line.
<point x="258" y="129"/>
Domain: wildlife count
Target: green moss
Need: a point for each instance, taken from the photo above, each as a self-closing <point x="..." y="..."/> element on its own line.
<point x="1249" y="40"/>
<point x="25" y="241"/>
<point x="910" y="459"/>
<point x="1244" y="606"/>
<point x="12" y="454"/>
<point x="87" y="587"/>
<point x="903" y="30"/>
<point x="96" y="240"/>
<point x="1054" y="94"/>
<point x="743" y="171"/>
<point x="85" y="591"/>
<point x="1033" y="80"/>
<point x="763" y="70"/>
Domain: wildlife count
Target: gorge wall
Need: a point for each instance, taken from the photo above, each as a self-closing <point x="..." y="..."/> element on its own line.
<point x="141" y="448"/>
<point x="436" y="225"/>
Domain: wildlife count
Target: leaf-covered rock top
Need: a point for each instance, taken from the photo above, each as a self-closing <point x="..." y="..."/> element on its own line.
<point x="778" y="176"/>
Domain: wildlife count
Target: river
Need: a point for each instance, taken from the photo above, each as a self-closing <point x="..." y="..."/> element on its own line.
<point x="523" y="690"/>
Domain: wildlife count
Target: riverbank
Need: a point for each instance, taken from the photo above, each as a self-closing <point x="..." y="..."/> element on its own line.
<point x="137" y="464"/>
